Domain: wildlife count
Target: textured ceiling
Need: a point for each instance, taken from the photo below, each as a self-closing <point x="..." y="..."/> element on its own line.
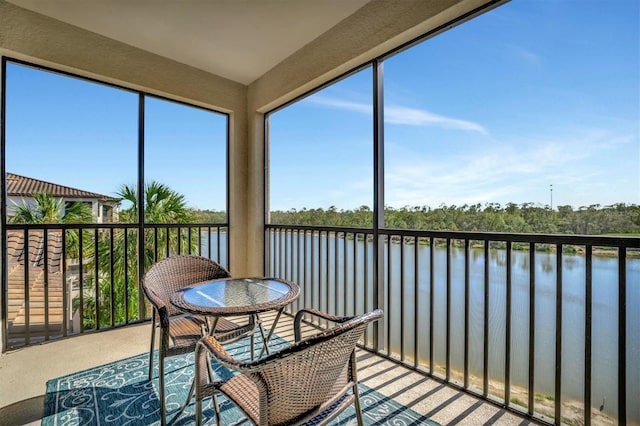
<point x="236" y="39"/>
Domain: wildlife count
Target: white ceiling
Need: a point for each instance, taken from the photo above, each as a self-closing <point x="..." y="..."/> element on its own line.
<point x="236" y="39"/>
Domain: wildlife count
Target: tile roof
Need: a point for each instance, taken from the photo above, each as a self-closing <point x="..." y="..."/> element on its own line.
<point x="21" y="186"/>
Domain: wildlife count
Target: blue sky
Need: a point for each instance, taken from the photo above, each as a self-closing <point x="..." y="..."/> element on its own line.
<point x="85" y="135"/>
<point x="532" y="94"/>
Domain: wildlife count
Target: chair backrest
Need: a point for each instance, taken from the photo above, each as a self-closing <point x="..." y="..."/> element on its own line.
<point x="310" y="373"/>
<point x="176" y="272"/>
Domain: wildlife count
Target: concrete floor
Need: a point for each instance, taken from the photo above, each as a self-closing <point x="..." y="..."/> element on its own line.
<point x="24" y="373"/>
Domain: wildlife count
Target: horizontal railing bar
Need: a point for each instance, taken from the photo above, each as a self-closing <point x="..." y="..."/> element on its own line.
<point x="593" y="240"/>
<point x="111" y="225"/>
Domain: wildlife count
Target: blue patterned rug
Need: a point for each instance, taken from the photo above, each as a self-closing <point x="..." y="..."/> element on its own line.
<point x="119" y="393"/>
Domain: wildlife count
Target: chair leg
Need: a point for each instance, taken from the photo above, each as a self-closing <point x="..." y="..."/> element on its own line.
<point x="252" y="339"/>
<point x="265" y="342"/>
<point x="216" y="407"/>
<point x="198" y="412"/>
<point x="199" y="396"/>
<point x="163" y="420"/>
<point x="153" y="337"/>
<point x="186" y="403"/>
<point x="209" y="369"/>
<point x="357" y="404"/>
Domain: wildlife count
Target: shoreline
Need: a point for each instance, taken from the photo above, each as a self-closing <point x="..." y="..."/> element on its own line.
<point x="572" y="410"/>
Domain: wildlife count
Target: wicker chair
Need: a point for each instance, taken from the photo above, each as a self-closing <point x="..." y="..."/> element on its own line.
<point x="179" y="332"/>
<point x="309" y="380"/>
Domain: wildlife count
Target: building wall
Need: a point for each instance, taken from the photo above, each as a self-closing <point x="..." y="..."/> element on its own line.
<point x="96" y="207"/>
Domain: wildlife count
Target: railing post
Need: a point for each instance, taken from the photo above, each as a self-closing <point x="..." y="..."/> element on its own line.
<point x="588" y="307"/>
<point x="622" y="335"/>
<point x="558" y="360"/>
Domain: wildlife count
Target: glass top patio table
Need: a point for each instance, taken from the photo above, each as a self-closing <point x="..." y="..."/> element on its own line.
<point x="236" y="296"/>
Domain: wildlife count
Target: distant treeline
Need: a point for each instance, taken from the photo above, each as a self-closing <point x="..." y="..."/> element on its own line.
<point x="491" y="217"/>
<point x="209" y="216"/>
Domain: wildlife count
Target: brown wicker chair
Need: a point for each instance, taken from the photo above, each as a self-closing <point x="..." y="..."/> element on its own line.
<point x="179" y="332"/>
<point x="309" y="380"/>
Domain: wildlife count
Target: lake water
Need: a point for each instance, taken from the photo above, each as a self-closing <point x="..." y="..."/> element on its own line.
<point x="604" y="319"/>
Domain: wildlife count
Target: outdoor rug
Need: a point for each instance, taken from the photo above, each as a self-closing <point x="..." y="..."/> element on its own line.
<point x="119" y="393"/>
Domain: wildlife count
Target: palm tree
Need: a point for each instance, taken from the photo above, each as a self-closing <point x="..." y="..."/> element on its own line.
<point x="47" y="209"/>
<point x="161" y="206"/>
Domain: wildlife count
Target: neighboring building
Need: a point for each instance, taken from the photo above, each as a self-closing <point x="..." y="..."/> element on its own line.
<point x="104" y="208"/>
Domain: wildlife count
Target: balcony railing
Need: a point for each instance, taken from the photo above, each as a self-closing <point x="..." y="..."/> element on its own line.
<point x="63" y="280"/>
<point x="545" y="325"/>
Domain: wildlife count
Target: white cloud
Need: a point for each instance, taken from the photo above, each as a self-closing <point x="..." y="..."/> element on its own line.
<point x="404" y="115"/>
<point x="363" y="108"/>
<point x="525" y="55"/>
<point x="520" y="171"/>
<point x="417" y="117"/>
